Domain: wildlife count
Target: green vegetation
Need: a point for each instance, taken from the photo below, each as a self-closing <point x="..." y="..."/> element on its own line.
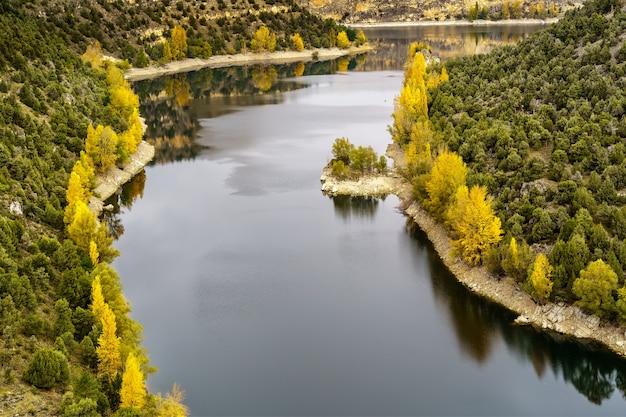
<point x="142" y="32"/>
<point x="350" y="161"/>
<point x="541" y="127"/>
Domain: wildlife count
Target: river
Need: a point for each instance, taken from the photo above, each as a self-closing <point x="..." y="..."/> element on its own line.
<point x="261" y="296"/>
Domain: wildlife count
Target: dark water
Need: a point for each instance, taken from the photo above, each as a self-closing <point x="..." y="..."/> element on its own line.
<point x="261" y="296"/>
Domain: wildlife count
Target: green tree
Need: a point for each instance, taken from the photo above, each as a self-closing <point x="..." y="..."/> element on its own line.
<point x="595" y="287"/>
<point x="342" y="149"/>
<point x="63" y="322"/>
<point x="517" y="260"/>
<point x="47" y="368"/>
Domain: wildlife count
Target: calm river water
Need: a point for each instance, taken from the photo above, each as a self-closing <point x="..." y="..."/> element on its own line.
<point x="261" y="296"/>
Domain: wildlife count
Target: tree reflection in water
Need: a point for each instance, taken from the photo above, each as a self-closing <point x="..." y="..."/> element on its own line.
<point x="125" y="198"/>
<point x="173" y="105"/>
<point x="347" y="207"/>
<point x="479" y="324"/>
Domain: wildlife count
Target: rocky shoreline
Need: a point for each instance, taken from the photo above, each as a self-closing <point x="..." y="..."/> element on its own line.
<point x="110" y="182"/>
<point x="554" y="317"/>
<point x="222" y="61"/>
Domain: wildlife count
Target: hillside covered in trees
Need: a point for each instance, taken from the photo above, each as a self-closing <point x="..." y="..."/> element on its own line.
<point x="520" y="153"/>
<point x="68" y="346"/>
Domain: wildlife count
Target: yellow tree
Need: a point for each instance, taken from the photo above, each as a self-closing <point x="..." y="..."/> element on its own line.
<point x="418" y="153"/>
<point x="595" y="287"/>
<point x="94" y="255"/>
<point x="516" y="260"/>
<point x="444" y="75"/>
<point x="108" y="350"/>
<point x="75" y="192"/>
<point x="84" y="226"/>
<point x="446" y="176"/>
<point x="297" y="42"/>
<point x="342" y="40"/>
<point x="97" y="299"/>
<point x="130" y="139"/>
<point x="172" y="405"/>
<point x="101" y="146"/>
<point x="93" y="54"/>
<point x="133" y="392"/>
<point x="474" y="223"/>
<point x="167" y="52"/>
<point x="540" y="278"/>
<point x="179" y="43"/>
<point x="264" y="40"/>
<point x="506" y="11"/>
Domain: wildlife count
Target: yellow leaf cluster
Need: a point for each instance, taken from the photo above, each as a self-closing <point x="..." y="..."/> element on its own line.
<point x="446" y="176"/>
<point x="264" y="40"/>
<point x="93" y="55"/>
<point x="101" y="146"/>
<point x="179" y="43"/>
<point x="172" y="405"/>
<point x="133" y="391"/>
<point x="540" y="282"/>
<point x="297" y="42"/>
<point x="342" y="40"/>
<point x="474" y="223"/>
<point x="97" y="299"/>
<point x="108" y="350"/>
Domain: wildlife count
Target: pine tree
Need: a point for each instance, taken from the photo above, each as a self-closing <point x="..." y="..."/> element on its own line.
<point x="540" y="278"/>
<point x="108" y="350"/>
<point x="133" y="393"/>
<point x="474" y="223"/>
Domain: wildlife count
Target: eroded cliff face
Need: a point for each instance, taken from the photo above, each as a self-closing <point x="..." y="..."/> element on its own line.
<point x="379" y="11"/>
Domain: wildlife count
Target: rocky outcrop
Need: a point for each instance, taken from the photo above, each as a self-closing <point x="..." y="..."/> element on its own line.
<point x="555" y="317"/>
<point x="108" y="183"/>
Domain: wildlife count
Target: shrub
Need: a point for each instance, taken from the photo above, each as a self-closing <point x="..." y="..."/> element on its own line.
<point x="47" y="368"/>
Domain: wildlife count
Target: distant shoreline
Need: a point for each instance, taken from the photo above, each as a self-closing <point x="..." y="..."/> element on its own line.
<point x="507" y="22"/>
<point x="222" y="61"/>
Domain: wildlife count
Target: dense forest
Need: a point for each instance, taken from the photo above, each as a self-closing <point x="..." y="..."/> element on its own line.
<point x="68" y="346"/>
<point x="520" y="153"/>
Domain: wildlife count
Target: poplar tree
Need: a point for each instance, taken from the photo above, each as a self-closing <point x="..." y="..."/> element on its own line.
<point x="474" y="223"/>
<point x="133" y="392"/>
<point x="540" y="278"/>
<point x="172" y="405"/>
<point x="101" y="146"/>
<point x="97" y="299"/>
<point x="446" y="176"/>
<point x="108" y="350"/>
<point x="83" y="228"/>
<point x="179" y="43"/>
<point x="342" y="40"/>
<point x="297" y="42"/>
<point x="264" y="40"/>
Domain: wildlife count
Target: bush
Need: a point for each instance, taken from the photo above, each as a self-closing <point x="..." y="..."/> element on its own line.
<point x="47" y="368"/>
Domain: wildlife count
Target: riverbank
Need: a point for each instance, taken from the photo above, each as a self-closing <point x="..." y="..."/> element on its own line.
<point x="478" y="22"/>
<point x="554" y="317"/>
<point x="110" y="182"/>
<point x="244" y="59"/>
